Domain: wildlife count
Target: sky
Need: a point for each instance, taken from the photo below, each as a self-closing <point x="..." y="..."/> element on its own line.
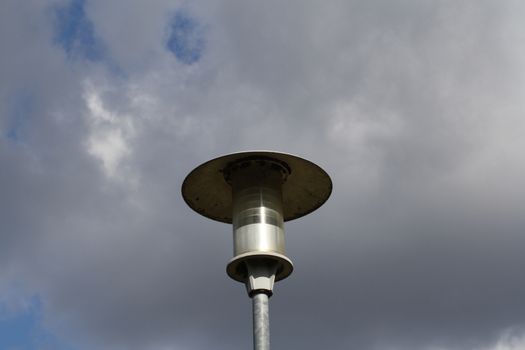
<point x="414" y="108"/>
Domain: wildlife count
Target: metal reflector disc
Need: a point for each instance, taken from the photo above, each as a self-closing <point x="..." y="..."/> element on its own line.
<point x="206" y="191"/>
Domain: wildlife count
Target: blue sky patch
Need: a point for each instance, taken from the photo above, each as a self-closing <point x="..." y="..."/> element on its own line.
<point x="16" y="331"/>
<point x="20" y="111"/>
<point x="186" y="38"/>
<point x="22" y="330"/>
<point x="75" y="33"/>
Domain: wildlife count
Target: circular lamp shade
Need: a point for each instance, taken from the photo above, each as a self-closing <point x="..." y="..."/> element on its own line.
<point x="306" y="188"/>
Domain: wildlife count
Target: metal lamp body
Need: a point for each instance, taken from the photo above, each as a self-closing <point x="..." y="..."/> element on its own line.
<point x="258" y="222"/>
<point x="256" y="192"/>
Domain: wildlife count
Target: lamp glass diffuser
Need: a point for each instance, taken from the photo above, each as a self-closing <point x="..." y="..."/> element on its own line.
<point x="257" y="216"/>
<point x="258" y="223"/>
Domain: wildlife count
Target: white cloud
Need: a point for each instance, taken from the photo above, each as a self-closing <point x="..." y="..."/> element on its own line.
<point x="110" y="132"/>
<point x="511" y="339"/>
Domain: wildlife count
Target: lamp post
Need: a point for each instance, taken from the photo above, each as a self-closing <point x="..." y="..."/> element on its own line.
<point x="256" y="192"/>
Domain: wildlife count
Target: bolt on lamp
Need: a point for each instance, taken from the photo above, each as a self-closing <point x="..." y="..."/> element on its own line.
<point x="256" y="192"/>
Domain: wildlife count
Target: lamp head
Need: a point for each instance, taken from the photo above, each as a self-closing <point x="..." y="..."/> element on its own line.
<point x="257" y="191"/>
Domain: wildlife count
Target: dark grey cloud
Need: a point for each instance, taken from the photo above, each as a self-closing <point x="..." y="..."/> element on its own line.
<point x="414" y="108"/>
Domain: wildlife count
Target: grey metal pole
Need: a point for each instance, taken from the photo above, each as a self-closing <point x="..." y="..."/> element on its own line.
<point x="261" y="322"/>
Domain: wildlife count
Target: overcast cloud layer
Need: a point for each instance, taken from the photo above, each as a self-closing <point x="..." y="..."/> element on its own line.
<point x="415" y="108"/>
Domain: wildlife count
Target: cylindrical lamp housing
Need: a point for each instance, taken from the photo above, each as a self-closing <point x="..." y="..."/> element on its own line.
<point x="257" y="217"/>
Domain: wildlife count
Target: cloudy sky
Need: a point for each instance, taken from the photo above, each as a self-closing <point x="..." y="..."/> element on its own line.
<point x="415" y="108"/>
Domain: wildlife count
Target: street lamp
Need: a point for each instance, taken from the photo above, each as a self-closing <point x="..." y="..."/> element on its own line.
<point x="256" y="192"/>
